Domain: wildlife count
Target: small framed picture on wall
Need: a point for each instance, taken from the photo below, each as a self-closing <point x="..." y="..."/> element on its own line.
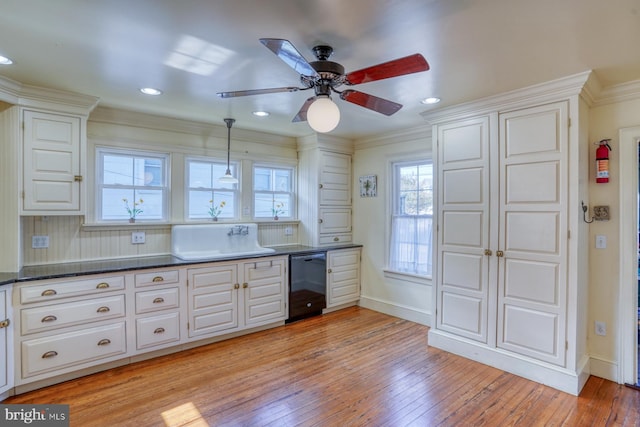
<point x="368" y="186"/>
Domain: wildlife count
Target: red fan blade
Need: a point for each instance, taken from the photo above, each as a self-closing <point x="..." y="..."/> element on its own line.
<point x="398" y="67"/>
<point x="290" y="55"/>
<point x="256" y="92"/>
<point x="302" y="114"/>
<point x="371" y="102"/>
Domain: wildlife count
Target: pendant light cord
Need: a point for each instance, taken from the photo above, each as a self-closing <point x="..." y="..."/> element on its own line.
<point x="229" y="122"/>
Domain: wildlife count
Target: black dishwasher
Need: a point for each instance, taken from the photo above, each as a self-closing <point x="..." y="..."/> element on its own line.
<point x="307" y="285"/>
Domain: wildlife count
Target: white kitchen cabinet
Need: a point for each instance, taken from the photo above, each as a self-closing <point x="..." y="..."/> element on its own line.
<point x="227" y="297"/>
<point x="343" y="277"/>
<point x="6" y="337"/>
<point x="324" y="201"/>
<point x="53" y="163"/>
<point x="158" y="308"/>
<point x="64" y="325"/>
<point x="506" y="287"/>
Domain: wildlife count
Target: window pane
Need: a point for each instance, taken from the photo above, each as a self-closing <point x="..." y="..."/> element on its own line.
<point x="261" y="179"/>
<point x="200" y="175"/>
<point x="282" y="180"/>
<point x="117" y="170"/>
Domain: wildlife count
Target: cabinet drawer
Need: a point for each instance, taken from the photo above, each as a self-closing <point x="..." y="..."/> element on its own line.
<point x="157" y="278"/>
<point x="335" y="238"/>
<point x="73" y="348"/>
<point x="158" y="299"/>
<point x="69" y="288"/>
<point x="54" y="316"/>
<point x="156" y="330"/>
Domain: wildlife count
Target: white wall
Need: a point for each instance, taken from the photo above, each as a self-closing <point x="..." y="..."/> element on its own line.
<point x="402" y="296"/>
<point x="604" y="285"/>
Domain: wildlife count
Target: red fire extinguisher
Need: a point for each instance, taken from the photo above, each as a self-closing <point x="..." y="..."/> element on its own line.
<point x="602" y="161"/>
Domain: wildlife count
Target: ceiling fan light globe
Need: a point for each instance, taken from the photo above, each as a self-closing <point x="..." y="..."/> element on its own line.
<point x="323" y="115"/>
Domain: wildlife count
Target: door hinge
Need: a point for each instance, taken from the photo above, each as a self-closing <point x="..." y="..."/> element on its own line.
<point x="188" y="326"/>
<point x="22" y="194"/>
<point x="566" y="345"/>
<point x="568" y="234"/>
<point x="187" y="283"/>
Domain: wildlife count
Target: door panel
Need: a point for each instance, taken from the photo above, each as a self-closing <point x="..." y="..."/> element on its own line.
<point x="533" y="232"/>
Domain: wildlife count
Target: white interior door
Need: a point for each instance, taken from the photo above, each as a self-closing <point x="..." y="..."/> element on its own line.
<point x="463" y="228"/>
<point x="532" y="276"/>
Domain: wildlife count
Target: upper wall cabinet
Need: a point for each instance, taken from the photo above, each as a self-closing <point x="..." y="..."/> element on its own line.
<point x="324" y="197"/>
<point x="52" y="164"/>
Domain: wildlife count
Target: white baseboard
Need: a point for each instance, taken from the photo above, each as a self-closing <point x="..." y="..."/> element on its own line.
<point x="607" y="369"/>
<point x="553" y="376"/>
<point x="397" y="310"/>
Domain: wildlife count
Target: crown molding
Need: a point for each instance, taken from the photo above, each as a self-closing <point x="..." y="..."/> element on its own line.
<point x="329" y="142"/>
<point x="416" y="133"/>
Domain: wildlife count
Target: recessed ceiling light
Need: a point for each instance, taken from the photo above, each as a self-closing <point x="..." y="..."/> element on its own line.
<point x="432" y="100"/>
<point x="5" y="61"/>
<point x="150" y="91"/>
<point x="261" y="113"/>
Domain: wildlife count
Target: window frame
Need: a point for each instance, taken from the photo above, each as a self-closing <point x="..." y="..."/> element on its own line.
<point x="394" y="190"/>
<point x="293" y="197"/>
<point x="165" y="188"/>
<point x="234" y="165"/>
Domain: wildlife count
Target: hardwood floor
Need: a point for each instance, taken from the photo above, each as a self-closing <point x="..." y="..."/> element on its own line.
<point x="355" y="367"/>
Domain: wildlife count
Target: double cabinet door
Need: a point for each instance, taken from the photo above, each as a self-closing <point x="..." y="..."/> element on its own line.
<point x="502" y="240"/>
<point x="230" y="296"/>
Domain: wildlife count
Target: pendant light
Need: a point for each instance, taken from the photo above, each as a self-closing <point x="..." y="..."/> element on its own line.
<point x="228" y="178"/>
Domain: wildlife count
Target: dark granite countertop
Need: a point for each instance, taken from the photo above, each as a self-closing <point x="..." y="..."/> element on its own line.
<point x="72" y="269"/>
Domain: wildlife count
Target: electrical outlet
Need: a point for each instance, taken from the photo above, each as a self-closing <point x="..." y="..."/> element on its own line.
<point x="39" y="242"/>
<point x="288" y="231"/>
<point x="601" y="328"/>
<point x="137" y="237"/>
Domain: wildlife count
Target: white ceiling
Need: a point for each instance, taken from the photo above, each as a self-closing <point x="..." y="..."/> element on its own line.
<point x="476" y="48"/>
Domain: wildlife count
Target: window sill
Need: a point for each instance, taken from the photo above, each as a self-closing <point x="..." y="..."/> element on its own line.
<point x="407" y="277"/>
<point x="114" y="226"/>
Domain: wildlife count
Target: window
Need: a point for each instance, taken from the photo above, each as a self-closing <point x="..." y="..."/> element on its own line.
<point x="273" y="192"/>
<point x="131" y="184"/>
<point x="207" y="197"/>
<point x="411" y="221"/>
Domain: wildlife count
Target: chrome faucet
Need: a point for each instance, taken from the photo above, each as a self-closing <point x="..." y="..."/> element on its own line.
<point x="238" y="229"/>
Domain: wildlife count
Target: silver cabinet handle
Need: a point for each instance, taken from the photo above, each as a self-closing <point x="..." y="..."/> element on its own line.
<point x="49" y="354"/>
<point x="104" y="342"/>
<point x="49" y="318"/>
<point x="159" y="331"/>
<point x="158" y="300"/>
<point x="103" y="309"/>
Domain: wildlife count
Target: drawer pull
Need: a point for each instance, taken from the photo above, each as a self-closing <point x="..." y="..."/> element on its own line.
<point x="104" y="342"/>
<point x="158" y="279"/>
<point x="48" y="293"/>
<point x="49" y="318"/>
<point x="158" y="300"/>
<point x="49" y="354"/>
<point x="159" y="331"/>
<point x="103" y="309"/>
<point x="5" y="323"/>
<point x="102" y="285"/>
<point x="245" y="285"/>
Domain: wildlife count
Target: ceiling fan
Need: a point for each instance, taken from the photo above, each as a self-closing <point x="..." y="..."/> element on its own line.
<point x="325" y="76"/>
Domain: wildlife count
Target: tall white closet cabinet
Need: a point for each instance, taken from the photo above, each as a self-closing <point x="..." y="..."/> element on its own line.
<point x="510" y="243"/>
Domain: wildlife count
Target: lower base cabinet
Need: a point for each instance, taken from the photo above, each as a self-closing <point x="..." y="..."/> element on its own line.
<point x="228" y="297"/>
<point x="343" y="276"/>
<point x="6" y="337"/>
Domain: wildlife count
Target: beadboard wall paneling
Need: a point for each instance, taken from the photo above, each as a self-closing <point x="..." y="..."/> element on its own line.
<point x="69" y="242"/>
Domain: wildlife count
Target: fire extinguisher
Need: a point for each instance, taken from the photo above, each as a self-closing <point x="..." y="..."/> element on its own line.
<point x="602" y="161"/>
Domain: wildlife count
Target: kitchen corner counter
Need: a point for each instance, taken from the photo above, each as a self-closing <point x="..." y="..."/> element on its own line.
<point x="72" y="269"/>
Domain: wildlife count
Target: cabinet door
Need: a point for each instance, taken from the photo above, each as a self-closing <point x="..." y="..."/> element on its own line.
<point x="213" y="300"/>
<point x="533" y="232"/>
<point x="343" y="277"/>
<point x="264" y="291"/>
<point x="6" y="356"/>
<point x="51" y="160"/>
<point x="463" y="223"/>
<point x="335" y="179"/>
<point x="335" y="220"/>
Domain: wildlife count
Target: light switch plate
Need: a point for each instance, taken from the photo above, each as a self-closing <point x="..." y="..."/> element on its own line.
<point x="601" y="241"/>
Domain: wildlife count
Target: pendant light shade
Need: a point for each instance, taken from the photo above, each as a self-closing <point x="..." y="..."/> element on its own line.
<point x="228" y="178"/>
<point x="323" y="114"/>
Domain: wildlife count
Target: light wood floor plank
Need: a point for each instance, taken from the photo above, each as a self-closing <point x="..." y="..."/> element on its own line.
<point x="354" y="367"/>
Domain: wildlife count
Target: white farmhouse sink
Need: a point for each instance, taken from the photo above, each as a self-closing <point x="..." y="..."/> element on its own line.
<point x="215" y="241"/>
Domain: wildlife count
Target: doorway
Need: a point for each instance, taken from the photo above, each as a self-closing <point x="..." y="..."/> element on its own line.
<point x="628" y="371"/>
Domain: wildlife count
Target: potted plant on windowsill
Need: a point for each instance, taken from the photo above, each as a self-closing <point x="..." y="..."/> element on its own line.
<point x="214" y="211"/>
<point x="277" y="210"/>
<point x="133" y="211"/>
